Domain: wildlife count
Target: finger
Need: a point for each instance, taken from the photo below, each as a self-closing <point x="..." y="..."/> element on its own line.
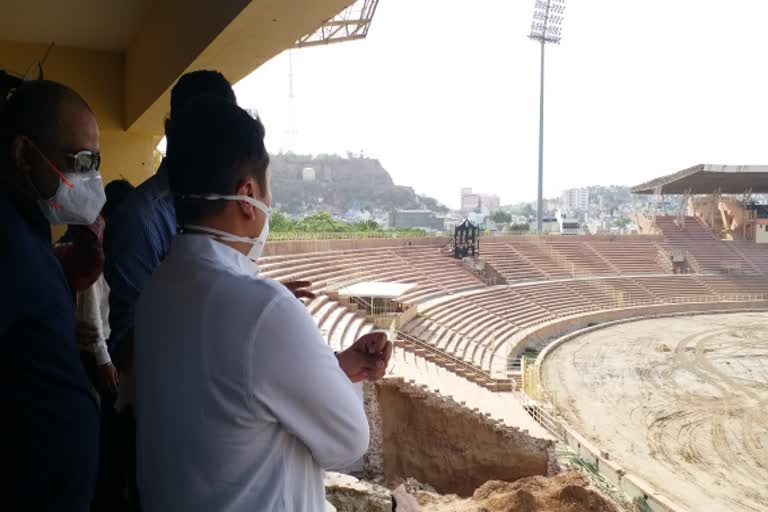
<point x="374" y="376"/>
<point x="293" y="285"/>
<point x="386" y="354"/>
<point x="358" y="377"/>
<point x="371" y="363"/>
<point x="375" y="342"/>
<point x="374" y="338"/>
<point x="303" y="294"/>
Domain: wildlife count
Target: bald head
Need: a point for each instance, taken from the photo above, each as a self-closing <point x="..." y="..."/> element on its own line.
<point x="40" y="125"/>
<point x="36" y="110"/>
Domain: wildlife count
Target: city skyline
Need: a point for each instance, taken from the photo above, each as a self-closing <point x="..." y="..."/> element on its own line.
<point x="626" y="101"/>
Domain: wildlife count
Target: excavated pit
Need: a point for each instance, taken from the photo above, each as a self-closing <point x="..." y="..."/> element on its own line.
<point x="447" y="445"/>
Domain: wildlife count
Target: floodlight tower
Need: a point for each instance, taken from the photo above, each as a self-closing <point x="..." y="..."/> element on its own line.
<point x="545" y="28"/>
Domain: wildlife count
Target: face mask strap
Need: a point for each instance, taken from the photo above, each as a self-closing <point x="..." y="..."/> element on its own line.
<point x="266" y="210"/>
<point x="47" y="160"/>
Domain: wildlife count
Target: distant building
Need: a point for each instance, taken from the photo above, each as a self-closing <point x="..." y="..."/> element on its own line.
<point x="425" y="219"/>
<point x="308" y="174"/>
<point x="469" y="201"/>
<point x="761" y="231"/>
<point x="548" y="225"/>
<point x="475" y="202"/>
<point x="568" y="224"/>
<point x="575" y="199"/>
<point x="450" y="222"/>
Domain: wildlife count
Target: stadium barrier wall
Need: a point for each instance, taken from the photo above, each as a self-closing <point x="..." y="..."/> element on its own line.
<point x="292" y="243"/>
<point x="581" y="238"/>
<point x="277" y="248"/>
<point x="634" y="486"/>
<point x="553" y="327"/>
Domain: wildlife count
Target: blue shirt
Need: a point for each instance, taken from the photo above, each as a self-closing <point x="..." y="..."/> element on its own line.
<point x="136" y="240"/>
<point x="49" y="428"/>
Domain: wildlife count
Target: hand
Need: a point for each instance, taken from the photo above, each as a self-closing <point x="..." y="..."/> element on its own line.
<point x="87" y="335"/>
<point x="109" y="377"/>
<point x="300" y="289"/>
<point x="367" y="358"/>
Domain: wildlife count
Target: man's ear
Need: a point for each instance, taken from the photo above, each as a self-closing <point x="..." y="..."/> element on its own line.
<point x="247" y="187"/>
<point x="20" y="153"/>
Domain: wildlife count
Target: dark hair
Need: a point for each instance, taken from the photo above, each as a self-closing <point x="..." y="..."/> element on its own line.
<point x="212" y="145"/>
<point x="200" y="83"/>
<point x="116" y="191"/>
<point x="33" y="110"/>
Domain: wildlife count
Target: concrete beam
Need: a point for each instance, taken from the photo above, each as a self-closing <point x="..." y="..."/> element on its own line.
<point x="232" y="36"/>
<point x="96" y="75"/>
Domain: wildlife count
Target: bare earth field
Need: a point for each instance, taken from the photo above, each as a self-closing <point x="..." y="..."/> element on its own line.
<point x="681" y="402"/>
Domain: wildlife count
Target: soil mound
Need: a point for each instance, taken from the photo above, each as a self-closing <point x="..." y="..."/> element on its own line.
<point x="566" y="492"/>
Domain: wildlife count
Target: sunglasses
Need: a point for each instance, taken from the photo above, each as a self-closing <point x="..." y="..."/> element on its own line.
<point x="84" y="161"/>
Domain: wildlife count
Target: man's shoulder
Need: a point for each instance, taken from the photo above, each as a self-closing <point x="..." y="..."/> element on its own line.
<point x="138" y="204"/>
<point x="254" y="289"/>
<point x="144" y="212"/>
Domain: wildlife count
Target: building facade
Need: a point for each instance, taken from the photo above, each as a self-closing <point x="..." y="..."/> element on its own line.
<point x="476" y="202"/>
<point x="575" y="199"/>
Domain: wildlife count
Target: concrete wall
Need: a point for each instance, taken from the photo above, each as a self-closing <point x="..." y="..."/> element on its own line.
<point x="566" y="325"/>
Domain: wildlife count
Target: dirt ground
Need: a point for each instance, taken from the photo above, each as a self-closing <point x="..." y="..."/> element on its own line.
<point x="681" y="402"/>
<point x="566" y="492"/>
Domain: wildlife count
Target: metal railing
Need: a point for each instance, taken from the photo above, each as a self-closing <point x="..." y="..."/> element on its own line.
<point x="336" y="284"/>
<point x="539" y="404"/>
<point x="357" y="235"/>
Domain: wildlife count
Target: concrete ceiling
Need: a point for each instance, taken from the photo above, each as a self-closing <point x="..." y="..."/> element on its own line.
<point x="94" y="24"/>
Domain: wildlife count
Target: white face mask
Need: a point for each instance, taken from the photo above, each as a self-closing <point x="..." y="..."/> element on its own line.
<point x="80" y="196"/>
<point x="257" y="243"/>
<point x="78" y="202"/>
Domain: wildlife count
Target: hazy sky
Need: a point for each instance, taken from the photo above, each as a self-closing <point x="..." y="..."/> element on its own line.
<point x="445" y="93"/>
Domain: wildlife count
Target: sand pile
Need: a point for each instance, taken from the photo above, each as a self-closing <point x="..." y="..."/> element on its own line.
<point x="566" y="492"/>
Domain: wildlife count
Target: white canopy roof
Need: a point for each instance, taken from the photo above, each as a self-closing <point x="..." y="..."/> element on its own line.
<point x="376" y="289"/>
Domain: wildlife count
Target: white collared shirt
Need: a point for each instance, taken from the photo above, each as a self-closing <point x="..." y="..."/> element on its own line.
<point x="240" y="404"/>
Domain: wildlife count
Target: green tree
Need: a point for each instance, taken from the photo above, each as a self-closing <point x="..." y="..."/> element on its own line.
<point x="501" y="217"/>
<point x="366" y="225"/>
<point x="279" y="221"/>
<point x="622" y="223"/>
<point x="321" y="222"/>
<point x="528" y="212"/>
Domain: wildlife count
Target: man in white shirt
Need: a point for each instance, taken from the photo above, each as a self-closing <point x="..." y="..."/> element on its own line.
<point x="240" y="403"/>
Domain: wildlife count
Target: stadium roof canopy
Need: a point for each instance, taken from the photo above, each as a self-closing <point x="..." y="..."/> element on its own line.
<point x="376" y="289"/>
<point x="707" y="178"/>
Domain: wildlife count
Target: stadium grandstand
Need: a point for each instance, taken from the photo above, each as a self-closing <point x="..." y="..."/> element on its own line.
<point x="476" y="321"/>
<point x="479" y="312"/>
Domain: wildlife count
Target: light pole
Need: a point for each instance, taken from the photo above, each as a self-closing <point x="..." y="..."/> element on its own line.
<point x="545" y="28"/>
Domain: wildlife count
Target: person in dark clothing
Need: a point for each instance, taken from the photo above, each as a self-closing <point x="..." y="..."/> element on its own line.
<point x="49" y="143"/>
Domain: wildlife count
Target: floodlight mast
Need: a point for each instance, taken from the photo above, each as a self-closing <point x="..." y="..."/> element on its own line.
<point x="545" y="28"/>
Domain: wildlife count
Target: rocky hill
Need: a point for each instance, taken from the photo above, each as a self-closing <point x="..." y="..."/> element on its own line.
<point x="303" y="183"/>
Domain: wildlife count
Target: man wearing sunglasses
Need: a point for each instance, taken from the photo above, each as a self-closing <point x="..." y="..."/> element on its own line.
<point x="49" y="143"/>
